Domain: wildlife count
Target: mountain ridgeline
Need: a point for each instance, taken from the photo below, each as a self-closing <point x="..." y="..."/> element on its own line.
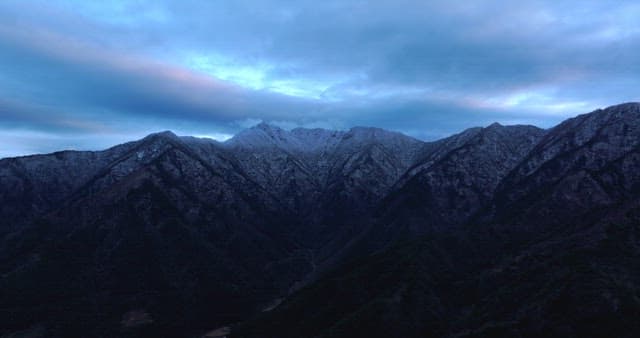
<point x="502" y="231"/>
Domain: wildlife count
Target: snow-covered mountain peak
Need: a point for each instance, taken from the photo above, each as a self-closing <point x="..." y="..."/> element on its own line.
<point x="269" y="129"/>
<point x="257" y="135"/>
<point x="160" y="140"/>
<point x="264" y="135"/>
<point x="316" y="140"/>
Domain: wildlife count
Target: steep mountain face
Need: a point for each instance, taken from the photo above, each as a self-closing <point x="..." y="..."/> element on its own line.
<point x="366" y="164"/>
<point x="171" y="224"/>
<point x="458" y="286"/>
<point x="443" y="191"/>
<point x="414" y="289"/>
<point x="33" y="185"/>
<point x="303" y="166"/>
<point x="159" y="231"/>
<point x="450" y="181"/>
<point x="553" y="253"/>
<point x="328" y="179"/>
<point x="583" y="170"/>
<point x="276" y="160"/>
<point x="496" y="231"/>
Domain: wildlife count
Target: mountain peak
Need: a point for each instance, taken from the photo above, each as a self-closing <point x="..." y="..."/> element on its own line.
<point x="489" y="208"/>
<point x="266" y="127"/>
<point x="163" y="134"/>
<point x="261" y="135"/>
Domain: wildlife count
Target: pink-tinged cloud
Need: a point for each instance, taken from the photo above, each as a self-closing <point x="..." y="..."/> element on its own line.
<point x="129" y="83"/>
<point x="425" y="68"/>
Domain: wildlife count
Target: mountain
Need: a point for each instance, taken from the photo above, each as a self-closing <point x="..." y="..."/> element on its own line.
<point x="582" y="171"/>
<point x="552" y="250"/>
<point x="330" y="180"/>
<point x="443" y="191"/>
<point x="501" y="230"/>
<point x="158" y="230"/>
<point x="304" y="165"/>
<point x="172" y="224"/>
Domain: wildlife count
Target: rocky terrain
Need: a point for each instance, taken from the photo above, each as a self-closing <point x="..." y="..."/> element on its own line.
<point x="496" y="231"/>
<point x="549" y="248"/>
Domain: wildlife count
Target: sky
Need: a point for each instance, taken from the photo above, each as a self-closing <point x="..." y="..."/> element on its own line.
<point x="90" y="74"/>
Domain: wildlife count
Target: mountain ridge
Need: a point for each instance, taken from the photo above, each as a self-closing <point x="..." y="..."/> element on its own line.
<point x="269" y="213"/>
<point x="553" y="254"/>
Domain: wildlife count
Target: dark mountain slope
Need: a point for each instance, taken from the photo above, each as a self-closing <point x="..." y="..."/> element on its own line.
<point x="405" y="291"/>
<point x="33" y="185"/>
<point x="330" y="180"/>
<point x="366" y="164"/>
<point x="442" y="191"/>
<point x="575" y="286"/>
<point x="560" y="258"/>
<point x="584" y="169"/>
<point x="272" y="157"/>
<point x="188" y="244"/>
<point x="364" y="167"/>
<point x="525" y="233"/>
<point x="312" y="170"/>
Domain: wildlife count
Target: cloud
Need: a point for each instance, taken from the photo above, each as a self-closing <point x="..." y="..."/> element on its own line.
<point x="108" y="70"/>
<point x="62" y="75"/>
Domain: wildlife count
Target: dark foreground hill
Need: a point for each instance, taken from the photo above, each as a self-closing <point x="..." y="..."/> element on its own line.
<point x="497" y="231"/>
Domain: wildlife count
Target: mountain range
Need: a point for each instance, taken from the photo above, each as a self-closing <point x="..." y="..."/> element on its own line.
<point x="510" y="231"/>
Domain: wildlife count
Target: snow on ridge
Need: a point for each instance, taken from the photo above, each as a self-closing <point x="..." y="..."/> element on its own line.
<point x="313" y="140"/>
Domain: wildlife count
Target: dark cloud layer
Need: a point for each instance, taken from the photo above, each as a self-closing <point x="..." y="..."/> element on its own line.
<point x="77" y="74"/>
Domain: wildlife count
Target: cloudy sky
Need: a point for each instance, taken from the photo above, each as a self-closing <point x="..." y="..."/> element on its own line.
<point x="90" y="74"/>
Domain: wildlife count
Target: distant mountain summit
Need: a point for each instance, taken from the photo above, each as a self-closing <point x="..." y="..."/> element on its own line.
<point x="302" y="140"/>
<point x="501" y="230"/>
